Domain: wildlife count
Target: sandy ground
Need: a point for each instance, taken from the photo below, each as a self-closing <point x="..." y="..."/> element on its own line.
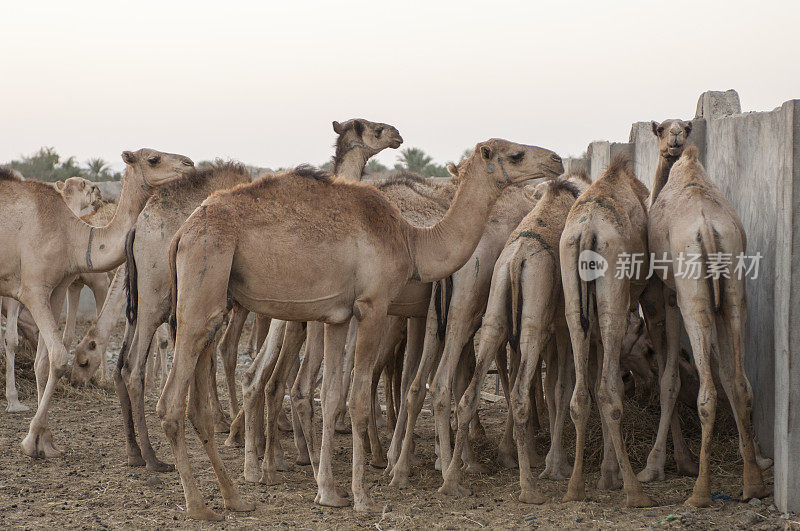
<point x="90" y="485"/>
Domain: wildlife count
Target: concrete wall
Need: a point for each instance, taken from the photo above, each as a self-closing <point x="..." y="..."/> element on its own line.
<point x="754" y="158"/>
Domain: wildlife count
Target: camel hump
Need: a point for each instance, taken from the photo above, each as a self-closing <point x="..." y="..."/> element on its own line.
<point x="10" y="174"/>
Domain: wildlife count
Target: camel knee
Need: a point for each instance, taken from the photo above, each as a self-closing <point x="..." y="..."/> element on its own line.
<point x="579" y="405"/>
<point x="520" y="408"/>
<point x="440" y="397"/>
<point x="171" y="427"/>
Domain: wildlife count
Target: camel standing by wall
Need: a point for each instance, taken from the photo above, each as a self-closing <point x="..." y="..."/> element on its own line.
<point x="45" y="245"/>
<point x="78" y="193"/>
<point x="691" y="217"/>
<point x="527" y="274"/>
<point x="335" y="250"/>
<point x="607" y="221"/>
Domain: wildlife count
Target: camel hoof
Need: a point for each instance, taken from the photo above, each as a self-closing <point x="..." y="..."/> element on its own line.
<point x="367" y="506"/>
<point x="41" y="446"/>
<point x="17" y="407"/>
<point x="283" y="423"/>
<point x="269" y="477"/>
<point x="763" y="462"/>
<point x="252" y="475"/>
<point x="532" y="497"/>
<point x="650" y="474"/>
<point x="638" y="499"/>
<point x="687" y="468"/>
<point x="222" y="426"/>
<point x="574" y="494"/>
<point x="331" y="499"/>
<point x="758" y="490"/>
<point x="377" y="462"/>
<point x="239" y="505"/>
<point x="698" y="500"/>
<point x="136" y="461"/>
<point x="507" y="460"/>
<point x="558" y="471"/>
<point x="475" y="467"/>
<point x="452" y="488"/>
<point x="203" y="513"/>
<point x="302" y="460"/>
<point x="399" y="478"/>
<point x="281" y="465"/>
<point x="342" y="427"/>
<point x="437" y="465"/>
<point x="235" y="439"/>
<point x="609" y="482"/>
<point x="159" y="466"/>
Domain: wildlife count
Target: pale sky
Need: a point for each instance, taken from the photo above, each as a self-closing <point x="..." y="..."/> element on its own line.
<point x="261" y="81"/>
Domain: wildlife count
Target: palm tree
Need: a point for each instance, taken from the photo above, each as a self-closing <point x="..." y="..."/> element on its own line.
<point x="374" y="166"/>
<point x="413" y="159"/>
<point x="97" y="168"/>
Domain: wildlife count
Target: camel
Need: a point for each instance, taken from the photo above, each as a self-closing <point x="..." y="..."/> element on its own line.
<point x="335" y="249"/>
<point x="607" y="221"/>
<point x="46" y="245"/>
<point x="527" y="274"/>
<point x="78" y="193"/>
<point x="690" y="216"/>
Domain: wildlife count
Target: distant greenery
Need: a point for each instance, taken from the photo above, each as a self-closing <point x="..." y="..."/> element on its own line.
<point x="47" y="165"/>
<point x="417" y="161"/>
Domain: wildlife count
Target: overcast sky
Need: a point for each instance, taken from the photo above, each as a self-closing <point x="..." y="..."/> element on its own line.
<point x="261" y="81"/>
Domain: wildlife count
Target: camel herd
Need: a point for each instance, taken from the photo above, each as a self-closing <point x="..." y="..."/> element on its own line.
<point x="399" y="279"/>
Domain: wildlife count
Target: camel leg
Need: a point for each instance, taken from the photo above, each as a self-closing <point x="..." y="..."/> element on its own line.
<point x="507" y="450"/>
<point x="558" y="384"/>
<point x="221" y="422"/>
<point x="300" y="444"/>
<point x="533" y="340"/>
<point x="73" y="298"/>
<point x="670" y="384"/>
<point x="730" y="358"/>
<point x="303" y="388"/>
<point x="201" y="413"/>
<point x="464" y="372"/>
<point x="414" y="399"/>
<point x="493" y="333"/>
<point x="253" y="384"/>
<point x="335" y="337"/>
<point x="11" y="340"/>
<point x="581" y="399"/>
<point x="395" y="327"/>
<point x="610" y="478"/>
<point x="274" y="393"/>
<point x="414" y="342"/>
<point x="50" y="365"/>
<point x="349" y="358"/>
<point x="133" y="451"/>
<point x="228" y="350"/>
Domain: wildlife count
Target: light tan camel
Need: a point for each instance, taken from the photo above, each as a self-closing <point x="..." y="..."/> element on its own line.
<point x="607" y="223"/>
<point x="335" y="250"/>
<point x="46" y="245"/>
<point x="78" y="193"/>
<point x="691" y="217"/>
<point x="527" y="279"/>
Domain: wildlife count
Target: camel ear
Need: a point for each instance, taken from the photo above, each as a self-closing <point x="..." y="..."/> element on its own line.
<point x="452" y="168"/>
<point x="359" y="128"/>
<point x="337" y="128"/>
<point x="60" y="186"/>
<point x="688" y="128"/>
<point x="128" y="157"/>
<point x="486" y="152"/>
<point x="654" y="126"/>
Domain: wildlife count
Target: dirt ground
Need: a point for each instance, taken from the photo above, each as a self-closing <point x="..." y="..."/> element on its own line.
<point x="90" y="486"/>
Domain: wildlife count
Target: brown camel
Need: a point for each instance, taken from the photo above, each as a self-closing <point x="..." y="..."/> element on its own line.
<point x="607" y="223"/>
<point x="78" y="193"/>
<point x="47" y="245"/>
<point x="335" y="250"/>
<point x="690" y="216"/>
<point x="527" y="275"/>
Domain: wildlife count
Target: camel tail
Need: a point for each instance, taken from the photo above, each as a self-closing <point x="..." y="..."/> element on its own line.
<point x="131" y="282"/>
<point x="708" y="246"/>
<point x="442" y="293"/>
<point x="586" y="242"/>
<point x="515" y="285"/>
<point x="173" y="286"/>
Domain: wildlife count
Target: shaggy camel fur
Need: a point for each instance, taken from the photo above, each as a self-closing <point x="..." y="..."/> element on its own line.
<point x="148" y="293"/>
<point x="46" y="245"/>
<point x="336" y="250"/>
<point x="690" y="215"/>
<point x="609" y="219"/>
<point x="78" y="193"/>
<point x="527" y="274"/>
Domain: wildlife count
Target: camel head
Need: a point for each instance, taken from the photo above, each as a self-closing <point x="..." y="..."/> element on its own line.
<point x="372" y="136"/>
<point x="637" y="354"/>
<point x="87" y="359"/>
<point x="672" y="136"/>
<point x="78" y="193"/>
<point x="509" y="163"/>
<point x="154" y="168"/>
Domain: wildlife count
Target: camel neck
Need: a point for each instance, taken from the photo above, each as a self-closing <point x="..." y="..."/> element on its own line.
<point x="440" y="250"/>
<point x="103" y="248"/>
<point x="661" y="177"/>
<point x="350" y="166"/>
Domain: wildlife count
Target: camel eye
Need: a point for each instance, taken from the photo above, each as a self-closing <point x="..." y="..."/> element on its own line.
<point x="378" y="133"/>
<point x="92" y="345"/>
<point x="153" y="159"/>
<point x="516" y="158"/>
